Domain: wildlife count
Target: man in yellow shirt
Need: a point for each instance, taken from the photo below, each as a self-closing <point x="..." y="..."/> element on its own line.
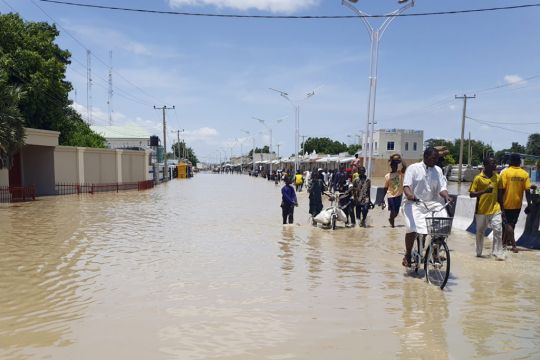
<point x="485" y="187"/>
<point x="515" y="181"/>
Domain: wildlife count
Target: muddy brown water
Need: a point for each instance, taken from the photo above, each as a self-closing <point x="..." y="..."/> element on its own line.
<point x="203" y="269"/>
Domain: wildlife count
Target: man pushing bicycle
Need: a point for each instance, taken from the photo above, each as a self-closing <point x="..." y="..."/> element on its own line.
<point x="423" y="181"/>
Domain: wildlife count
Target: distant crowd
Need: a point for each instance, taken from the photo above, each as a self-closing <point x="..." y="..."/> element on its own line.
<point x="499" y="196"/>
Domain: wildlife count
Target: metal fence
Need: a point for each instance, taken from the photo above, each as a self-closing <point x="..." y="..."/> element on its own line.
<point x="9" y="194"/>
<point x="71" y="188"/>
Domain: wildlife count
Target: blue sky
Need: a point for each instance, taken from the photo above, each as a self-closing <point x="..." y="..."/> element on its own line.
<point x="217" y="71"/>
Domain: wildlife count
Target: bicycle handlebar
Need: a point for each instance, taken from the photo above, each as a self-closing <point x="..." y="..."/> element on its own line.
<point x="432" y="210"/>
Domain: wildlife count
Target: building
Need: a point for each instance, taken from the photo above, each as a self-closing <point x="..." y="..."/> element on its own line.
<point x="124" y="137"/>
<point x="408" y="143"/>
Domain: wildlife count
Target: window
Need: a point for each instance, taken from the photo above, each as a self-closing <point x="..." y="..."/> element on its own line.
<point x="414" y="146"/>
<point x="407" y="146"/>
<point x="390" y="145"/>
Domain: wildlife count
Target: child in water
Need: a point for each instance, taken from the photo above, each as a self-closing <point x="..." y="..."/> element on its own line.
<point x="288" y="201"/>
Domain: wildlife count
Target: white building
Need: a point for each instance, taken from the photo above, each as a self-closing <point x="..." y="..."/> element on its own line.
<point x="408" y="143"/>
<point x="122" y="137"/>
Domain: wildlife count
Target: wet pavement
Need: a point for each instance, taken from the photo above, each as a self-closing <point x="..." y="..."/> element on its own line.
<point x="203" y="269"/>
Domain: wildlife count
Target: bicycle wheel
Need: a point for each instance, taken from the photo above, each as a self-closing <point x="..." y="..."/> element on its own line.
<point x="437" y="263"/>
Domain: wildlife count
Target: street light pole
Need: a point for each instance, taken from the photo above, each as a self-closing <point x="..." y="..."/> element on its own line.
<point x="296" y="105"/>
<point x="252" y="150"/>
<point x="270" y="132"/>
<point x="375" y="35"/>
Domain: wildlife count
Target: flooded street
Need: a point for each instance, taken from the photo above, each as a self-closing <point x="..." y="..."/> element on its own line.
<point x="203" y="269"/>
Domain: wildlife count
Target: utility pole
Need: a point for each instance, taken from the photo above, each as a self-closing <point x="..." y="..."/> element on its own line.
<point x="278" y="145"/>
<point x="470" y="150"/>
<point x="177" y="142"/>
<point x="165" y="166"/>
<point x="460" y="168"/>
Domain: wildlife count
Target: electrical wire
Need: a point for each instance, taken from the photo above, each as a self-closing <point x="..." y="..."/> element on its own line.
<point x="505" y="123"/>
<point x="481" y="122"/>
<point x="105" y="7"/>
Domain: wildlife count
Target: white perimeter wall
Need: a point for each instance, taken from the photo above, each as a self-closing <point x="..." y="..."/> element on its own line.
<point x="99" y="166"/>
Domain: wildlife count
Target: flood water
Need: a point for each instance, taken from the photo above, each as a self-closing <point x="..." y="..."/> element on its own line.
<point x="203" y="269"/>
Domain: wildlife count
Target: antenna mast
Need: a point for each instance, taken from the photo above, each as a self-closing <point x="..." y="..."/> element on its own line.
<point x="89" y="87"/>
<point x="109" y="100"/>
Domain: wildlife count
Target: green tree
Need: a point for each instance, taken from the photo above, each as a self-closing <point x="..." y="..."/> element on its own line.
<point x="181" y="150"/>
<point x="533" y="144"/>
<point x="515" y="148"/>
<point x="265" y="150"/>
<point x="324" y="146"/>
<point x="11" y="124"/>
<point x="32" y="61"/>
<point x="354" y="148"/>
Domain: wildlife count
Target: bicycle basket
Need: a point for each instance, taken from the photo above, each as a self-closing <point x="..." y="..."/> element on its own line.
<point x="439" y="225"/>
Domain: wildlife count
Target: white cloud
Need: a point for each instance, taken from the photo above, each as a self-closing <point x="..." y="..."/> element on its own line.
<point x="118" y="40"/>
<point x="275" y="6"/>
<point x="514" y="79"/>
<point x="201" y="134"/>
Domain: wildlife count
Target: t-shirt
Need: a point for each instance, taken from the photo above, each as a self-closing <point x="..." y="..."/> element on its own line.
<point x="487" y="203"/>
<point x="515" y="181"/>
<point x="394" y="183"/>
<point x="425" y="182"/>
<point x="299" y="179"/>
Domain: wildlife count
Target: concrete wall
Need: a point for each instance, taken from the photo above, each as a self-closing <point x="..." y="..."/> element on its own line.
<point x="66" y="164"/>
<point x="99" y="166"/>
<point x="36" y="164"/>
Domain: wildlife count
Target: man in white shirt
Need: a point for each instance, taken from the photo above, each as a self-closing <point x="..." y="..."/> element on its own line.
<point x="423" y="181"/>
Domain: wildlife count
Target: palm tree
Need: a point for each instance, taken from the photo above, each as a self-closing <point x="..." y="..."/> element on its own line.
<point x="11" y="124"/>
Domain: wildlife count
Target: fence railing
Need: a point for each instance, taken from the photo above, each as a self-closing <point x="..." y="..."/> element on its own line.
<point x="10" y="194"/>
<point x="70" y="188"/>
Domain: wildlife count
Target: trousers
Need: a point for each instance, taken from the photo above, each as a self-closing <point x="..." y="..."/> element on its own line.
<point x="494" y="222"/>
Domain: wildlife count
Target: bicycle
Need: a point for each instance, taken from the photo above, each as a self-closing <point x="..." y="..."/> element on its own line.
<point x="332" y="213"/>
<point x="436" y="258"/>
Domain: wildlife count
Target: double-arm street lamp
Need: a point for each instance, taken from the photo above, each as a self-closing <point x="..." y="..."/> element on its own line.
<point x="296" y="104"/>
<point x="375" y="35"/>
<point x="269" y="128"/>
<point x="252" y="150"/>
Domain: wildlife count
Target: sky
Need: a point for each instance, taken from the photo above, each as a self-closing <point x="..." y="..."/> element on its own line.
<point x="217" y="71"/>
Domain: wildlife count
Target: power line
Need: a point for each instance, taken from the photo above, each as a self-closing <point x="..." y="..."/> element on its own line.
<point x="505" y="123"/>
<point x="498" y="127"/>
<point x="307" y="17"/>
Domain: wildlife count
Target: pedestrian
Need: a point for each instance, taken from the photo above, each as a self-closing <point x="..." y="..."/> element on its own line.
<point x="515" y="181"/>
<point x="315" y="189"/>
<point x="298" y="181"/>
<point x="423" y="181"/>
<point x="362" y="196"/>
<point x="355" y="165"/>
<point x="346" y="202"/>
<point x="393" y="186"/>
<point x="288" y="201"/>
<point x="485" y="188"/>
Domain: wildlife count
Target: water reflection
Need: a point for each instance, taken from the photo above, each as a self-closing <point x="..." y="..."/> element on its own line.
<point x="424" y="315"/>
<point x="80" y="275"/>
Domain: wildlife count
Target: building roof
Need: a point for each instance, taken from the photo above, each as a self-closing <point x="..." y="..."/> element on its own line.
<point x="121" y="132"/>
